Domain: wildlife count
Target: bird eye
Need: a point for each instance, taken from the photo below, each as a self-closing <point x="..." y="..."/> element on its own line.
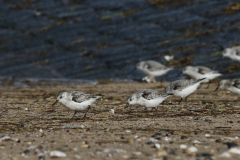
<point x="60" y="97"/>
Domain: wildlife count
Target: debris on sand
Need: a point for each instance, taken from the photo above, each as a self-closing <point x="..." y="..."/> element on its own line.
<point x="8" y="138"/>
<point x="57" y="154"/>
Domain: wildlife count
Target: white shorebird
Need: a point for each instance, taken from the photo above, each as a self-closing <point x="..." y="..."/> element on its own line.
<point x="232" y="85"/>
<point x="152" y="69"/>
<point x="198" y="72"/>
<point x="147" y="97"/>
<point x="183" y="88"/>
<point x="76" y="100"/>
<point x="233" y="53"/>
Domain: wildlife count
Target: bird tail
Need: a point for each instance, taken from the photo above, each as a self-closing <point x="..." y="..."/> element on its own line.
<point x="99" y="95"/>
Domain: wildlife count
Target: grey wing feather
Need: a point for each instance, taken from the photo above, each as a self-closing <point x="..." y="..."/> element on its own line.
<point x="151" y="94"/>
<point x="237" y="49"/>
<point x="181" y="84"/>
<point x="236" y="83"/>
<point x="152" y="65"/>
<point x="203" y="70"/>
<point x="81" y="96"/>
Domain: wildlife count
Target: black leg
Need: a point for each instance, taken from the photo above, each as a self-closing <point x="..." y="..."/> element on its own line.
<point x="74" y="114"/>
<point x="145" y="109"/>
<point x="199" y="86"/>
<point x="180" y="101"/>
<point x="208" y="85"/>
<point x="186" y="98"/>
<point x="86" y="112"/>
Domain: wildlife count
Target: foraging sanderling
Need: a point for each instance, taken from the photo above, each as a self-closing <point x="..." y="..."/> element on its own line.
<point x="198" y="72"/>
<point x="233" y="85"/>
<point x="147" y="98"/>
<point x="233" y="53"/>
<point x="76" y="100"/>
<point x="153" y="68"/>
<point x="183" y="88"/>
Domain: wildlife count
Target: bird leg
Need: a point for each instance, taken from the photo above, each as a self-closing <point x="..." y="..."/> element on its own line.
<point x="180" y="101"/>
<point x="186" y="98"/>
<point x="86" y="112"/>
<point x="208" y="85"/>
<point x="73" y="114"/>
<point x="199" y="86"/>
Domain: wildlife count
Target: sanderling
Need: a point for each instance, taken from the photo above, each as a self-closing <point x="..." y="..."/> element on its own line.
<point x="199" y="72"/>
<point x="183" y="88"/>
<point x="231" y="85"/>
<point x="153" y="68"/>
<point x="233" y="53"/>
<point x="76" y="100"/>
<point x="147" y="98"/>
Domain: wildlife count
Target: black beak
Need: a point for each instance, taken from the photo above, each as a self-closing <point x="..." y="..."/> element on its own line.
<point x="216" y="88"/>
<point x="127" y="105"/>
<point x="55" y="102"/>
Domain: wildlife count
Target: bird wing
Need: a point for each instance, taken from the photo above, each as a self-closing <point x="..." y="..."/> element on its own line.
<point x="152" y="66"/>
<point x="80" y="96"/>
<point x="236" y="83"/>
<point x="203" y="70"/>
<point x="181" y="84"/>
<point x="152" y="94"/>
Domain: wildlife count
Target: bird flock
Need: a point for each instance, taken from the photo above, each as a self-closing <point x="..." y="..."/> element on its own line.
<point x="79" y="101"/>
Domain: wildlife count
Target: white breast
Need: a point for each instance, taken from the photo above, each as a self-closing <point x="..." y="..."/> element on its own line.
<point x="186" y="91"/>
<point x="78" y="106"/>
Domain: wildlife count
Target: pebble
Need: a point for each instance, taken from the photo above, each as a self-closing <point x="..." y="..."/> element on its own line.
<point x="225" y="154"/>
<point x="137" y="153"/>
<point x="235" y="150"/>
<point x="151" y="140"/>
<point x="112" y="111"/>
<point x="157" y="145"/>
<point x="191" y="151"/>
<point x="56" y="154"/>
<point x="183" y="146"/>
<point x="196" y="141"/>
<point x="207" y="135"/>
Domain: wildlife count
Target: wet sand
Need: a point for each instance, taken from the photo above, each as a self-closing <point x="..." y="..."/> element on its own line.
<point x="26" y="113"/>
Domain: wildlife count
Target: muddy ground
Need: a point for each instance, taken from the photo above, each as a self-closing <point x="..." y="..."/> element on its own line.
<point x="211" y="118"/>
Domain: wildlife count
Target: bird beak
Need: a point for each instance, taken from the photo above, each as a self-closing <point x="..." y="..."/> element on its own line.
<point x="55" y="102"/>
<point x="127" y="105"/>
<point x="216" y="88"/>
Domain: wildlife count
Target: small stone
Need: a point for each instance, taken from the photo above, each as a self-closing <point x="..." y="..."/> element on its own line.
<point x="85" y="146"/>
<point x="56" y="154"/>
<point x="112" y="111"/>
<point x="77" y="156"/>
<point x="225" y="154"/>
<point x="207" y="135"/>
<point x="183" y="146"/>
<point x="157" y="145"/>
<point x="41" y="130"/>
<point x="191" y="151"/>
<point x="235" y="150"/>
<point x="137" y="153"/>
<point x="161" y="153"/>
<point x="196" y="141"/>
<point x="151" y="140"/>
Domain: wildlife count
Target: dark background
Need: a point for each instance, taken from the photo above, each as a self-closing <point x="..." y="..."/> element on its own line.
<point x="104" y="39"/>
